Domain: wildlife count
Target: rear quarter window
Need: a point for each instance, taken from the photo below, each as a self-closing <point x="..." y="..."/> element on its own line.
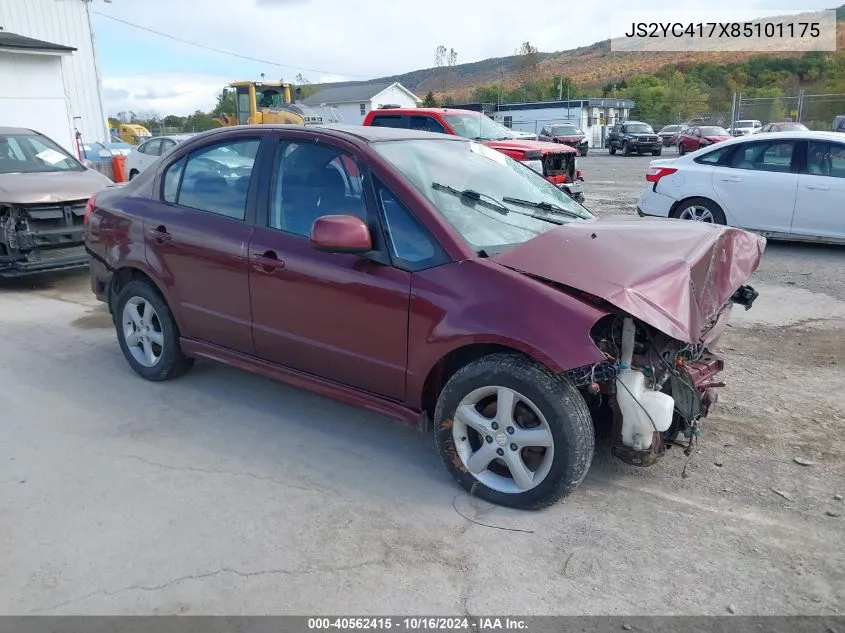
<point x="389" y="120"/>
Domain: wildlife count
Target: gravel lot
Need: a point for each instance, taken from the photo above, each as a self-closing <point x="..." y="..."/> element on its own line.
<point x="226" y="493"/>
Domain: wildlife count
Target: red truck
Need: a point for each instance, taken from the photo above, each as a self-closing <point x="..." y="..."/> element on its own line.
<point x="557" y="162"/>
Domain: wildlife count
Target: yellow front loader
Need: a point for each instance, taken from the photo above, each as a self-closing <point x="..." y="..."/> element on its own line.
<point x="267" y="102"/>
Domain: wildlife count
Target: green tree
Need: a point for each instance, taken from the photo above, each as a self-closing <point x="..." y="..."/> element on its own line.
<point x="225" y="104"/>
<point x="429" y="101"/>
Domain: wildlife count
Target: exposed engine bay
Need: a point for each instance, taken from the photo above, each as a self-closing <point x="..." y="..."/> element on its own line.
<point x="41" y="237"/>
<point x="650" y="390"/>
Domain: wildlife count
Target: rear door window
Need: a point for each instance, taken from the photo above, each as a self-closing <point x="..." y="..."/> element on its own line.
<point x="215" y="179"/>
<point x="774" y="156"/>
<point x="826" y="159"/>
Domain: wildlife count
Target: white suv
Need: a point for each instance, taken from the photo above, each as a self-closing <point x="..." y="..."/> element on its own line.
<point x="745" y="127"/>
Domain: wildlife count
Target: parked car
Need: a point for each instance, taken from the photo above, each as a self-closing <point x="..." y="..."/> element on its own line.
<point x="148" y="152"/>
<point x="785" y="126"/>
<point x="566" y="134"/>
<point x="838" y="123"/>
<point x="43" y="194"/>
<point x="558" y="163"/>
<point x="519" y="134"/>
<point x="425" y="277"/>
<point x="788" y="185"/>
<point x="695" y="138"/>
<point x="669" y="134"/>
<point x="745" y="127"/>
<point x="103" y="152"/>
<point x="633" y="137"/>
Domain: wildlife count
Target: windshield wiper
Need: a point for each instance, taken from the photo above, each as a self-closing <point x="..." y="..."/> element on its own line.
<point x="475" y="196"/>
<point x="545" y="206"/>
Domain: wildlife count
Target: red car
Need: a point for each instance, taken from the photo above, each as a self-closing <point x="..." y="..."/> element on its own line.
<point x="694" y="138"/>
<point x="784" y="126"/>
<point x="555" y="161"/>
<point x="428" y="278"/>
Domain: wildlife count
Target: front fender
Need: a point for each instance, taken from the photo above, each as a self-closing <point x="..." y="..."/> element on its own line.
<point x="481" y="302"/>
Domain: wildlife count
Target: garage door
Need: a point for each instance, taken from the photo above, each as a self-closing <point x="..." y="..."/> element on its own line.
<point x="38" y="99"/>
<point x="48" y="116"/>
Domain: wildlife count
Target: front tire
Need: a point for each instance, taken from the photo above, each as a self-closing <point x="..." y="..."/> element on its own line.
<point x="511" y="432"/>
<point x="612" y="150"/>
<point x="626" y="149"/>
<point x="681" y="150"/>
<point x="147" y="332"/>
<point x="133" y="173"/>
<point x="657" y="152"/>
<point x="584" y="152"/>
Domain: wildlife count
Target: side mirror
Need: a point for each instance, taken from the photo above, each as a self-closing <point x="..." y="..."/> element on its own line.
<point x="341" y="234"/>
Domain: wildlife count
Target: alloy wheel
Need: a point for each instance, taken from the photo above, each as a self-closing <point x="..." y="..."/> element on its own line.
<point x="503" y="439"/>
<point x="142" y="331"/>
<point x="698" y="213"/>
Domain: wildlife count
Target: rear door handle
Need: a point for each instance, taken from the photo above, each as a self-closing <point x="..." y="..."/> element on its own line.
<point x="819" y="187"/>
<point x="160" y="234"/>
<point x="267" y="262"/>
<point x="731" y="179"/>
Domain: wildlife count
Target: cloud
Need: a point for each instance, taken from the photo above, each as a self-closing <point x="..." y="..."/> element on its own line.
<point x="327" y="39"/>
<point x="166" y="93"/>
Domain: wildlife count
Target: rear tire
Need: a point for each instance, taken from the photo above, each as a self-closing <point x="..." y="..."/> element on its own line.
<point x="700" y="210"/>
<point x="612" y="150"/>
<point x="548" y="423"/>
<point x="147" y="332"/>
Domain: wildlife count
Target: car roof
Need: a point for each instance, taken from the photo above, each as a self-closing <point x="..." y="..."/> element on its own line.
<point x="17" y="130"/>
<point x="427" y="111"/>
<point x="366" y="133"/>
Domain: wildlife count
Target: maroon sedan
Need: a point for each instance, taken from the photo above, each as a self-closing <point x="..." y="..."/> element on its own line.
<point x="426" y="277"/>
<point x="694" y="138"/>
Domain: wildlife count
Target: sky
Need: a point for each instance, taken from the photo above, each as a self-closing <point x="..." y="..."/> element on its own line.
<point x="333" y="40"/>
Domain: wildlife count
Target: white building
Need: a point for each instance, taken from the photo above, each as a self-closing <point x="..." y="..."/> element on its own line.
<point x="593" y="115"/>
<point x="351" y="102"/>
<point x="48" y="70"/>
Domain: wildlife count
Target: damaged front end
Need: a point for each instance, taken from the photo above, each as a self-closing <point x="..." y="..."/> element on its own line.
<point x="652" y="388"/>
<point x="40" y="237"/>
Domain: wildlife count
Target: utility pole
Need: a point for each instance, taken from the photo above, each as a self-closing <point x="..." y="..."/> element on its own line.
<point x="560" y="89"/>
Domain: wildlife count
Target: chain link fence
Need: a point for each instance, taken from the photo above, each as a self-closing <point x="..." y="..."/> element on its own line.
<point x="816" y="111"/>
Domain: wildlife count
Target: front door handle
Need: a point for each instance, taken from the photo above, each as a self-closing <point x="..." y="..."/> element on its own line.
<point x="819" y="187"/>
<point x="160" y="234"/>
<point x="731" y="179"/>
<point x="267" y="262"/>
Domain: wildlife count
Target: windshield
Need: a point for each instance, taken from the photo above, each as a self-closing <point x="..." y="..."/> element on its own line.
<point x="745" y="123"/>
<point x="477" y="127"/>
<point x="671" y="128"/>
<point x="489" y="223"/>
<point x="639" y="128"/>
<point x="565" y="130"/>
<point x="713" y="130"/>
<point x="33" y="153"/>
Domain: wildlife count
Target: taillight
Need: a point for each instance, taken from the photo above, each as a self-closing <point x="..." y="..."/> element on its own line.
<point x="88" y="209"/>
<point x="654" y="174"/>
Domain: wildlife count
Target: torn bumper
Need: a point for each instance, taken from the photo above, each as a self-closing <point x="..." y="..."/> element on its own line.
<point x="43" y="260"/>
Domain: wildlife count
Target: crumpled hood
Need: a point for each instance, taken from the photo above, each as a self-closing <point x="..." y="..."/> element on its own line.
<point x="50" y="187"/>
<point x="675" y="275"/>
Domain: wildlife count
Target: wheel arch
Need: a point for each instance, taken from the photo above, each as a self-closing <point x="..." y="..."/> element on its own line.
<point x="127" y="273"/>
<point x="461" y="356"/>
<point x="673" y="209"/>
